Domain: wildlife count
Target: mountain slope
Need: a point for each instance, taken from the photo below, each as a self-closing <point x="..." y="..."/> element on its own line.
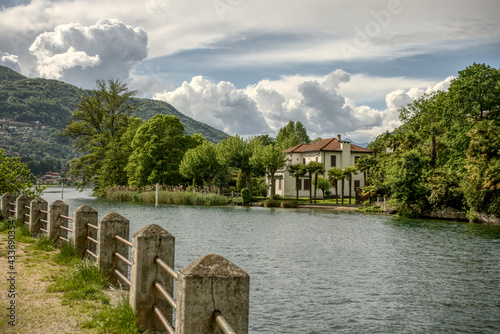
<point x="49" y="104"/>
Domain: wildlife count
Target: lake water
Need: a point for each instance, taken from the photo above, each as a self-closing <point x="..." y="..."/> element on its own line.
<point x="315" y="271"/>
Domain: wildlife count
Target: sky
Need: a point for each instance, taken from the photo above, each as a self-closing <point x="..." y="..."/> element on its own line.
<point x="249" y="67"/>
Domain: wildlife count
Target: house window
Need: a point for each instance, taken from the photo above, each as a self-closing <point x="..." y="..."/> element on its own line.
<point x="356" y="158"/>
<point x="279" y="184"/>
<point x="357" y="184"/>
<point x="316" y="159"/>
<point x="304" y="161"/>
<point x="298" y="184"/>
<point x="307" y="184"/>
<point x="333" y="161"/>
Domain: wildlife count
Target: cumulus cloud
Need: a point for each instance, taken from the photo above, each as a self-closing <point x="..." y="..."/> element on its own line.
<point x="220" y="105"/>
<point x="270" y="105"/>
<point x="82" y="54"/>
<point x="10" y="61"/>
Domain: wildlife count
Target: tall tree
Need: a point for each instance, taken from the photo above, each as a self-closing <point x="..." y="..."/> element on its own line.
<point x="348" y="174"/>
<point x="16" y="178"/>
<point x="100" y="120"/>
<point x="294" y="133"/>
<point x="297" y="171"/>
<point x="158" y="148"/>
<point x="201" y="163"/>
<point x="269" y="159"/>
<point x="334" y="175"/>
<point x="313" y="168"/>
<point x="236" y="152"/>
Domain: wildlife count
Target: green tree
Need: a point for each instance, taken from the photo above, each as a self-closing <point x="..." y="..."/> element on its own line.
<point x="269" y="159"/>
<point x="348" y="175"/>
<point x="323" y="184"/>
<point x="334" y="176"/>
<point x="291" y="135"/>
<point x="100" y="120"/>
<point x="297" y="171"/>
<point x="158" y="148"/>
<point x="482" y="181"/>
<point x="16" y="178"/>
<point x="236" y="152"/>
<point x="201" y="163"/>
<point x="313" y="168"/>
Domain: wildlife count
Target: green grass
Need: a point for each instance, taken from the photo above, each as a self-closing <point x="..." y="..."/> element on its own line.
<point x="168" y="197"/>
<point x="84" y="281"/>
<point x="43" y="243"/>
<point x="120" y="319"/>
<point x="370" y="208"/>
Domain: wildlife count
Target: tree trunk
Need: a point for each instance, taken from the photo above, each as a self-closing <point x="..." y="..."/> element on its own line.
<point x="273" y="186"/>
<point x="315" y="186"/>
<point x="337" y="191"/>
<point x="350" y="190"/>
<point x="297" y="187"/>
<point x="310" y="188"/>
<point x="342" y="192"/>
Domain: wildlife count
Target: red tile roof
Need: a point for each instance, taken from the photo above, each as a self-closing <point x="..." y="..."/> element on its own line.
<point x="329" y="144"/>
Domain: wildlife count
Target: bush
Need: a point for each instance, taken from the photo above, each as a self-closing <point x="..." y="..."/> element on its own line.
<point x="371" y="208"/>
<point x="289" y="204"/>
<point x="271" y="203"/>
<point x="245" y="196"/>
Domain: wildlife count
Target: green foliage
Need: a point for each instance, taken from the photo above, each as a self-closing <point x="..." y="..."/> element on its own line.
<point x="201" y="163"/>
<point x="370" y="209"/>
<point x="271" y="203"/>
<point x="236" y="152"/>
<point x="15" y="177"/>
<point x="158" y="148"/>
<point x="83" y="282"/>
<point x="482" y="180"/>
<point x="289" y="204"/>
<point x="268" y="159"/>
<point x="43" y="243"/>
<point x="291" y="135"/>
<point x="120" y="319"/>
<point x="246" y="196"/>
<point x="323" y="184"/>
<point x="297" y="170"/>
<point x="66" y="254"/>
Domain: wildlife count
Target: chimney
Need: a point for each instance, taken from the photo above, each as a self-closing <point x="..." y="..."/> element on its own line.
<point x="338" y="137"/>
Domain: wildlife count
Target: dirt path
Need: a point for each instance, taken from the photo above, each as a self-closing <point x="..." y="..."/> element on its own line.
<point x="36" y="310"/>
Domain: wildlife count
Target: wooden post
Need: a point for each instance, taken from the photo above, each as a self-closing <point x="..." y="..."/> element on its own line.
<point x="35" y="215"/>
<point x="148" y="243"/>
<point x="110" y="225"/>
<point x="207" y="285"/>
<point x="81" y="217"/>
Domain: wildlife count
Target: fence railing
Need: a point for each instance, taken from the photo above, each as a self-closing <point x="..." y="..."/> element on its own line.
<point x="212" y="293"/>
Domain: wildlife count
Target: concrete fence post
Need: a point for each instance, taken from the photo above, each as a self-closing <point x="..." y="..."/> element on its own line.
<point x="56" y="209"/>
<point x="110" y="225"/>
<point x="6" y="199"/>
<point x="211" y="284"/>
<point x="81" y="217"/>
<point x="21" y="201"/>
<point x="35" y="215"/>
<point x="148" y="243"/>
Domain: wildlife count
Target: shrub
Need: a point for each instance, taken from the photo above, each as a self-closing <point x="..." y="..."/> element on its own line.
<point x="271" y="203"/>
<point x="289" y="204"/>
<point x="245" y="196"/>
<point x="371" y="208"/>
<point x="120" y="319"/>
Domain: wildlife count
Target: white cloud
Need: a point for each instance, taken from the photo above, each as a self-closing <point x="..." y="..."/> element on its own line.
<point x="220" y="105"/>
<point x="104" y="50"/>
<point x="10" y="61"/>
<point x="269" y="105"/>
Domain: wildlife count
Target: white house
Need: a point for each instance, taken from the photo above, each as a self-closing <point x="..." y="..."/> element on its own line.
<point x="331" y="152"/>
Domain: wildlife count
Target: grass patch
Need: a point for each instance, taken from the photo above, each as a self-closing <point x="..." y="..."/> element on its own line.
<point x="66" y="255"/>
<point x="120" y="319"/>
<point x="43" y="243"/>
<point x="83" y="282"/>
<point x="370" y="208"/>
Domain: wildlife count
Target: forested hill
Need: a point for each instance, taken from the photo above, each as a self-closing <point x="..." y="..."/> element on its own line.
<point x="50" y="102"/>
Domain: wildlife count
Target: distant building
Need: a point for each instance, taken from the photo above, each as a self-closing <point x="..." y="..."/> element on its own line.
<point x="331" y="152"/>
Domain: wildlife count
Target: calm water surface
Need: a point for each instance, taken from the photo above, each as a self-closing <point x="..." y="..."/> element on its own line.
<point x="326" y="272"/>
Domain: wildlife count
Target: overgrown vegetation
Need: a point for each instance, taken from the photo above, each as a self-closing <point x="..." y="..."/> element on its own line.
<point x="446" y="153"/>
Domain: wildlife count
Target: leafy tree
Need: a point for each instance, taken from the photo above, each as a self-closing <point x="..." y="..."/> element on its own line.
<point x="201" y="163"/>
<point x="158" y="147"/>
<point x="297" y="170"/>
<point x="236" y="152"/>
<point x="482" y="181"/>
<point x="269" y="159"/>
<point x="348" y="174"/>
<point x="96" y="127"/>
<point x="15" y="177"/>
<point x="313" y="168"/>
<point x="291" y="135"/>
<point x="323" y="184"/>
<point x="334" y="175"/>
